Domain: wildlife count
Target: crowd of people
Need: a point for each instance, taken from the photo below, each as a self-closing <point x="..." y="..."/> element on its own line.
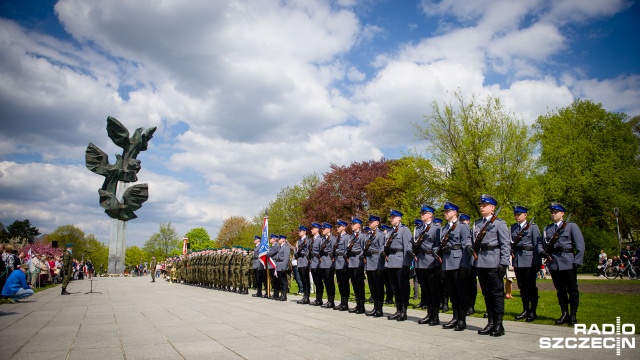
<point x="447" y="261"/>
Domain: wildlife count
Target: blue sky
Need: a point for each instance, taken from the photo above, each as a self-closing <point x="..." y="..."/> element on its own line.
<point x="250" y="96"/>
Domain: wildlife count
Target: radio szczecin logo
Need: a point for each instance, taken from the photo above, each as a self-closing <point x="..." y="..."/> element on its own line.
<point x="607" y="336"/>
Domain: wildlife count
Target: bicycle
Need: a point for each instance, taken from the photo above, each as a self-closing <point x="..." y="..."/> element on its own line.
<point x="612" y="272"/>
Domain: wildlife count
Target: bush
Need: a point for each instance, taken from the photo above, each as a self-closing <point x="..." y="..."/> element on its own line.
<point x="596" y="239"/>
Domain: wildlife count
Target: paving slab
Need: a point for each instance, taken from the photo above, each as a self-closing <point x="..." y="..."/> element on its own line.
<point x="135" y="319"/>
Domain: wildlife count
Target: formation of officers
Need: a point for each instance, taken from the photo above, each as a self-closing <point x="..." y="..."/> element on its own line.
<point x="448" y="258"/>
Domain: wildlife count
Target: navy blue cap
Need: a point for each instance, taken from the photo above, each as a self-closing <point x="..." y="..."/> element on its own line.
<point x="488" y="199"/>
<point x="437" y="220"/>
<point x="303" y="228"/>
<point x="374" y="218"/>
<point x="558" y="206"/>
<point x="341" y="223"/>
<point x="366" y="228"/>
<point x="256" y="237"/>
<point x="327" y="226"/>
<point x="450" y="206"/>
<point x="282" y="237"/>
<point x="427" y="208"/>
<point x="355" y="220"/>
<point x="395" y="212"/>
<point x="274" y="236"/>
<point x="315" y="225"/>
<point x="386" y="227"/>
<point x="418" y="222"/>
<point x="520" y="209"/>
<point x="464" y="216"/>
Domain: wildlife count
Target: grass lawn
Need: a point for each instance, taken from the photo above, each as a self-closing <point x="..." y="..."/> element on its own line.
<point x="599" y="304"/>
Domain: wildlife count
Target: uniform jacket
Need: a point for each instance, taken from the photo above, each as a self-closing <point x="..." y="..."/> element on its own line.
<point x="570" y="238"/>
<point x="326" y="261"/>
<point x="340" y="250"/>
<point x="523" y="257"/>
<point x="357" y="242"/>
<point x="497" y="235"/>
<point x="453" y="259"/>
<point x="273" y="251"/>
<point x="315" y="251"/>
<point x="282" y="258"/>
<point x="400" y="244"/>
<point x="303" y="252"/>
<point x="256" y="259"/>
<point x="430" y="241"/>
<point x="374" y="259"/>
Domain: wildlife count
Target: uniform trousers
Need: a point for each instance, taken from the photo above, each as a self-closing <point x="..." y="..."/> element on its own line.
<point x="456" y="284"/>
<point x="317" y="280"/>
<point x="434" y="285"/>
<point x="329" y="282"/>
<point x="566" y="284"/>
<point x="399" y="278"/>
<point x="260" y="280"/>
<point x="526" y="279"/>
<point x="357" y="280"/>
<point x="306" y="282"/>
<point x="421" y="274"/>
<point x="375" y="278"/>
<point x="387" y="286"/>
<point x="275" y="282"/>
<point x="283" y="277"/>
<point x="473" y="286"/>
<point x="342" y="276"/>
<point x="492" y="289"/>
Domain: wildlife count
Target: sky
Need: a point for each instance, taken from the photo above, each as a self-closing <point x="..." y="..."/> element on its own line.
<point x="250" y="96"/>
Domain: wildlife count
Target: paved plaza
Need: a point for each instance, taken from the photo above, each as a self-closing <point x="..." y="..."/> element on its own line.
<point x="136" y="319"/>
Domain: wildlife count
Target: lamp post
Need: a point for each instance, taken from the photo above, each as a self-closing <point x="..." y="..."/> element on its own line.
<point x="617" y="212"/>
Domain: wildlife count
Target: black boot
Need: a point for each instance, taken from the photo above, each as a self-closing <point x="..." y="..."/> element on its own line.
<point x="403" y="313"/>
<point x="487" y="329"/>
<point x="532" y="311"/>
<point x="65" y="292"/>
<point x="373" y="311"/>
<point x="471" y="310"/>
<point x="283" y="297"/>
<point x="344" y="306"/>
<point x="453" y="321"/>
<point x="572" y="317"/>
<point x="564" y="318"/>
<point x="361" y="309"/>
<point x="445" y="304"/>
<point x="355" y="308"/>
<point x="305" y="300"/>
<point x="525" y="310"/>
<point x="435" y="316"/>
<point x="379" y="312"/>
<point x="397" y="313"/>
<point x="337" y="307"/>
<point x="258" y="294"/>
<point x="498" y="329"/>
<point x="461" y="324"/>
<point x="301" y="301"/>
<point x="426" y="319"/>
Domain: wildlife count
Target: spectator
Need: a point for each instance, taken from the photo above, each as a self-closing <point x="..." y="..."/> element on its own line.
<point x="636" y="256"/>
<point x="296" y="275"/>
<point x="602" y="258"/>
<point x="158" y="269"/>
<point x="90" y="269"/>
<point x="508" y="285"/>
<point x="45" y="277"/>
<point x="625" y="255"/>
<point x="3" y="267"/>
<point x="35" y="266"/>
<point x="16" y="287"/>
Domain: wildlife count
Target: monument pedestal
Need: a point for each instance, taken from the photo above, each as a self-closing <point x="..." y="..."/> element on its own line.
<point x="117" y="243"/>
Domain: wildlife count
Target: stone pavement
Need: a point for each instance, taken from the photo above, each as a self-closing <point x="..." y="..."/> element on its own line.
<point x="136" y="319"/>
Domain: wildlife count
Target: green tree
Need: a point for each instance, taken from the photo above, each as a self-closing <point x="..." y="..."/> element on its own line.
<point x="411" y="181"/>
<point x="135" y="256"/>
<point x="97" y="252"/>
<point x="69" y="234"/>
<point x="482" y="148"/>
<point x="286" y="211"/>
<point x="19" y="232"/>
<point x="163" y="243"/>
<point x="232" y="231"/>
<point x="199" y="239"/>
<point x="589" y="156"/>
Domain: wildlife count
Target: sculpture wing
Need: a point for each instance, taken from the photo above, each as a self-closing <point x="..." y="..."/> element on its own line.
<point x="97" y="160"/>
<point x="117" y="132"/>
<point x="132" y="200"/>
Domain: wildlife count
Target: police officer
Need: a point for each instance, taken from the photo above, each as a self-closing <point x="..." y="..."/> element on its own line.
<point x="398" y="253"/>
<point x="302" y="254"/>
<point x="282" y="266"/>
<point x="356" y="264"/>
<point x="326" y="264"/>
<point x="427" y="265"/>
<point x="272" y="253"/>
<point x="563" y="259"/>
<point x="316" y="242"/>
<point x="455" y="238"/>
<point x="341" y="268"/>
<point x="472" y="282"/>
<point x="374" y="265"/>
<point x="258" y="266"/>
<point x="492" y="259"/>
<point x="526" y="261"/>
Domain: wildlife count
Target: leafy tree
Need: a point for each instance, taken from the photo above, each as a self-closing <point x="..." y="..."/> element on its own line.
<point x="69" y="234"/>
<point x="21" y="232"/>
<point x="411" y="181"/>
<point x="232" y="231"/>
<point x="589" y="155"/>
<point x="97" y="252"/>
<point x="199" y="239"/>
<point x="135" y="256"/>
<point x="342" y="193"/>
<point x="482" y="148"/>
<point x="163" y="243"/>
<point x="286" y="211"/>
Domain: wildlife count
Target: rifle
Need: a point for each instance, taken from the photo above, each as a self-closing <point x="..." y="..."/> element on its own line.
<point x="335" y="247"/>
<point x="350" y="246"/>
<point x="421" y="237"/>
<point x="554" y="239"/>
<point x="324" y="244"/>
<point x="445" y="241"/>
<point x="521" y="234"/>
<point x="371" y="234"/>
<point x="483" y="232"/>
<point x="387" y="245"/>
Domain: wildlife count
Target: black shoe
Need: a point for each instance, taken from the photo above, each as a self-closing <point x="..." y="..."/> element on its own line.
<point x="360" y="308"/>
<point x="451" y="324"/>
<point x="471" y="310"/>
<point x="522" y="315"/>
<point x="316" y="303"/>
<point x="389" y="302"/>
<point x="564" y="318"/>
<point x="421" y="305"/>
<point x="531" y="316"/>
<point x="461" y="324"/>
<point x="445" y="308"/>
<point x="329" y="305"/>
<point x="344" y="307"/>
<point x="257" y="295"/>
<point x="378" y="308"/>
<point x="487" y="329"/>
<point x="283" y="297"/>
<point x="485" y="315"/>
<point x="498" y="329"/>
<point x="395" y="316"/>
<point x="305" y="301"/>
<point x="403" y="314"/>
<point x="370" y="300"/>
<point x="425" y="320"/>
<point x="435" y="316"/>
